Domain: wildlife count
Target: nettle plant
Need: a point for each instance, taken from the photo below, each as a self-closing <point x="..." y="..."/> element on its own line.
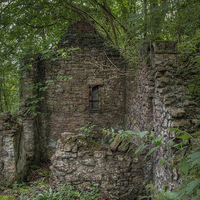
<point x="184" y="155"/>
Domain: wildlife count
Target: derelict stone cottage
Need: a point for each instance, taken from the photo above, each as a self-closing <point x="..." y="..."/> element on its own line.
<point x="95" y="94"/>
<point x="93" y="84"/>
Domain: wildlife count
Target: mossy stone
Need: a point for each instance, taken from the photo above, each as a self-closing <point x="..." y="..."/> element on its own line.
<point x="94" y="144"/>
<point x="5" y="197"/>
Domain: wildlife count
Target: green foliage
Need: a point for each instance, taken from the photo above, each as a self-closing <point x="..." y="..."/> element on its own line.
<point x="33" y="191"/>
<point x="189" y="62"/>
<point x="34" y="28"/>
<point x="87" y="130"/>
<point x="64" y="78"/>
<point x="64" y="192"/>
<point x="131" y="136"/>
<point x="186" y="159"/>
<point x="159" y="194"/>
<point x="5" y="197"/>
<point x="32" y="101"/>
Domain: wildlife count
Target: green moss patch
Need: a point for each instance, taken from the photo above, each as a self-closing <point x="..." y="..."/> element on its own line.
<point x="94" y="144"/>
<point x="70" y="142"/>
<point x="5" y="197"/>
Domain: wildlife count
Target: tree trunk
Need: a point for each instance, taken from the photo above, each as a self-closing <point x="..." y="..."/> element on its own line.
<point x="157" y="18"/>
<point x="111" y="22"/>
<point x="145" y="18"/>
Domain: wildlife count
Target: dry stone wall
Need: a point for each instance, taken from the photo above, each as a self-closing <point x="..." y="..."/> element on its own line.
<point x="11" y="152"/>
<point x="171" y="109"/>
<point x="156" y="100"/>
<point x="82" y="163"/>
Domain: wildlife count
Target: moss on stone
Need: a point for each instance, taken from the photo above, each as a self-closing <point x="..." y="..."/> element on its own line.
<point x="47" y="172"/>
<point x="69" y="142"/>
<point x="5" y="197"/>
<point x="94" y="144"/>
<point x="82" y="136"/>
<point x="81" y="140"/>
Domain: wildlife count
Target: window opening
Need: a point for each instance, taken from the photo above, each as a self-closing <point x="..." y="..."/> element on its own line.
<point x="94" y="98"/>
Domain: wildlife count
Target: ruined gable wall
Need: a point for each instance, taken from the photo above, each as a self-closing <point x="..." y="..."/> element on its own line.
<point x="69" y="106"/>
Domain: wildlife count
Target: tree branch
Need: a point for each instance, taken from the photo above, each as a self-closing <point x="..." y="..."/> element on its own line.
<point x="90" y="17"/>
<point x="109" y="12"/>
<point x="38" y="26"/>
<point x="6" y="7"/>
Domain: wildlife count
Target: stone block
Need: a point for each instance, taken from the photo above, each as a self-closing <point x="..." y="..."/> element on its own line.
<point x="162" y="82"/>
<point x="4" y="153"/>
<point x="88" y="162"/>
<point x="74" y="149"/>
<point x="9" y="166"/>
<point x="181" y="123"/>
<point x="82" y="143"/>
<point x="59" y="144"/>
<point x="82" y="153"/>
<point x="68" y="147"/>
<point x="176" y="112"/>
<point x="161" y="69"/>
<point x="69" y="155"/>
<point x="109" y="153"/>
<point x="71" y="178"/>
<point x="99" y="154"/>
<point x="66" y="135"/>
<point x="115" y="143"/>
<point x="95" y="81"/>
<point x="5" y="116"/>
<point x="81" y="108"/>
<point x="101" y="162"/>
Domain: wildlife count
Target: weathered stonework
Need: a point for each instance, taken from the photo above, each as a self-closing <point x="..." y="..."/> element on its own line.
<point x="151" y="100"/>
<point x="156" y="100"/>
<point x="11" y="153"/>
<point x="66" y="106"/>
<point x="82" y="163"/>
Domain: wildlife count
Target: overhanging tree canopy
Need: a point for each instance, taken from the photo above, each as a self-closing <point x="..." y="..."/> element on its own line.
<point x="28" y="27"/>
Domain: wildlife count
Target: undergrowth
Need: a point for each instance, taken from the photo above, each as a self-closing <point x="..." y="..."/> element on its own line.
<point x="38" y="187"/>
<point x="184" y="155"/>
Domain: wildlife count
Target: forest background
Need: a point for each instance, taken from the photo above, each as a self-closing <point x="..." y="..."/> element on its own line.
<point x="29" y="27"/>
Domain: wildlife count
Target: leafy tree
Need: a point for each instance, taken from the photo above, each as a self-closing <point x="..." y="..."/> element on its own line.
<point x="31" y="27"/>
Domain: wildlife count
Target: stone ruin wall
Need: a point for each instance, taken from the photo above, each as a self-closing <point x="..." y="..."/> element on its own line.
<point x="67" y="107"/>
<point x="12" y="155"/>
<point x="80" y="162"/>
<point x="156" y="100"/>
<point x="153" y="100"/>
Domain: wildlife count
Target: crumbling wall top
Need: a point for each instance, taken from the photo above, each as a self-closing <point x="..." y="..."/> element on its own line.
<point x="83" y="26"/>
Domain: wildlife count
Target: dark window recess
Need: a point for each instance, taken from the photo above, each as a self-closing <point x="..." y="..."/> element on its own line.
<point x="94" y="98"/>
